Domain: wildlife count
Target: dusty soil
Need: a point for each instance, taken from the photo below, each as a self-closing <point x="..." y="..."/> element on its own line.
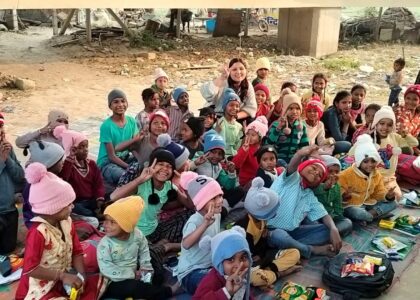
<point x="77" y="78"/>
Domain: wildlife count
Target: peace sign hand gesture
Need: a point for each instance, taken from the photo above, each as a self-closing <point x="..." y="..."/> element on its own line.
<point x="209" y="217"/>
<point x="148" y="173"/>
<point x="245" y="145"/>
<point x="235" y="281"/>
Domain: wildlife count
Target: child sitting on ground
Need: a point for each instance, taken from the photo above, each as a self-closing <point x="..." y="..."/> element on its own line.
<point x="227" y="126"/>
<point x="276" y="108"/>
<point x="358" y="95"/>
<point x="370" y="112"/>
<point x="123" y="254"/>
<point x="298" y="202"/>
<point x="395" y="81"/>
<point x="192" y="130"/>
<point x="288" y="134"/>
<point x="262" y="93"/>
<point x="82" y="173"/>
<point x="11" y="179"/>
<point x="151" y="103"/>
<point x="319" y="86"/>
<point x="52" y="247"/>
<point x="207" y="196"/>
<point x="245" y="160"/>
<point x="365" y="197"/>
<point x="114" y="130"/>
<point x="262" y="204"/>
<point x="209" y="164"/>
<point x="230" y="276"/>
<point x="209" y="116"/>
<point x="315" y="128"/>
<point x="178" y="113"/>
<point x="329" y="194"/>
<point x="161" y="87"/>
<point x="267" y="161"/>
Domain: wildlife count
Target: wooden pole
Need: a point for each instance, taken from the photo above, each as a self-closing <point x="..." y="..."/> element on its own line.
<point x="178" y="24"/>
<point x="67" y="22"/>
<point x="246" y="22"/>
<point x="378" y="24"/>
<point x="88" y="26"/>
<point x="54" y="22"/>
<point x="123" y="26"/>
<point x="15" y="20"/>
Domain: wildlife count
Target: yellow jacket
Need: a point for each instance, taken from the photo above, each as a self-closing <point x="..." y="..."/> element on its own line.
<point x="366" y="190"/>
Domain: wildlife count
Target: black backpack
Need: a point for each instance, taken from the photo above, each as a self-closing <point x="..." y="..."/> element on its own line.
<point x="357" y="287"/>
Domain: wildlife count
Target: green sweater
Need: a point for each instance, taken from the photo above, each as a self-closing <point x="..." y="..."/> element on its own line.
<point x="331" y="199"/>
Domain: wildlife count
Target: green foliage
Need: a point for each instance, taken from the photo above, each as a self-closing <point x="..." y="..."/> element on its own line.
<point x="148" y="40"/>
<point x="341" y="64"/>
<point x="370" y="12"/>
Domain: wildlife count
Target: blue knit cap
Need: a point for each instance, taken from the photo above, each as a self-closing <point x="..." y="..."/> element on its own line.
<point x="178" y="92"/>
<point x="180" y="153"/>
<point x="213" y="140"/>
<point x="260" y="202"/>
<point x="229" y="95"/>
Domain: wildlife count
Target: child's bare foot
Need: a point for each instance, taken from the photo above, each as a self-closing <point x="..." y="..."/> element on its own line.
<point x="291" y="270"/>
<point x="172" y="247"/>
<point x="325" y="250"/>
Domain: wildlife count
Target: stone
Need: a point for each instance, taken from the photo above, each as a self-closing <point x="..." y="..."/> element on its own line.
<point x="139" y="59"/>
<point x="24" y="84"/>
<point x="147" y="55"/>
<point x="3" y="27"/>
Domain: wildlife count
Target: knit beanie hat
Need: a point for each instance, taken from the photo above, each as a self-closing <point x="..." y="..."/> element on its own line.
<point x="263" y="63"/>
<point x="159" y="113"/>
<point x="207" y="111"/>
<point x="262" y="87"/>
<point x="415" y="89"/>
<point x="160" y="73"/>
<point x="196" y="125"/>
<point x="290" y="99"/>
<point x="228" y="96"/>
<point x="260" y="125"/>
<point x="180" y="153"/>
<point x="385" y="112"/>
<point x="315" y="104"/>
<point x="213" y="140"/>
<point x="69" y="138"/>
<point x="260" y="202"/>
<point x="265" y="149"/>
<point x="309" y="162"/>
<point x="45" y="153"/>
<point x="55" y="115"/>
<point x="49" y="193"/>
<point x="178" y="92"/>
<point x="330" y="160"/>
<point x="223" y="246"/>
<point x="1" y="119"/>
<point x="114" y="94"/>
<point x="365" y="148"/>
<point x="126" y="212"/>
<point x="200" y="188"/>
<point x="162" y="155"/>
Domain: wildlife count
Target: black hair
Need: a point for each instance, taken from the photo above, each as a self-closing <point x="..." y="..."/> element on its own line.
<point x="287" y="84"/>
<point x="400" y="61"/>
<point x="356" y="87"/>
<point x="147" y="94"/>
<point x="340" y="96"/>
<point x="244" y="86"/>
<point x="373" y="106"/>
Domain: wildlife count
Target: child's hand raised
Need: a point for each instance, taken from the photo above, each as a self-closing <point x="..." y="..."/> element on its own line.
<point x="282" y="122"/>
<point x="201" y="159"/>
<point x="141" y="135"/>
<point x="231" y="167"/>
<point x="5" y="149"/>
<point x="218" y="126"/>
<point x="245" y="145"/>
<point x="209" y="217"/>
<point x="311" y="150"/>
<point x="235" y="281"/>
<point x="148" y="173"/>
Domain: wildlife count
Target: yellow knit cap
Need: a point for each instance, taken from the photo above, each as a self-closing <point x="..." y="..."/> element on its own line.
<point x="126" y="212"/>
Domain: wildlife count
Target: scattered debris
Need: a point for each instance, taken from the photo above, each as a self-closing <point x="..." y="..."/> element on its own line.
<point x="24" y="84"/>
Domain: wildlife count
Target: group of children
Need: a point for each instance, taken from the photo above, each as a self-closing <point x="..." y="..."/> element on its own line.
<point x="164" y="182"/>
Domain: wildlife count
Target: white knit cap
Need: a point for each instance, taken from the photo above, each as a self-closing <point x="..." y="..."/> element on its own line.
<point x="263" y="63"/>
<point x="385" y="112"/>
<point x="365" y="148"/>
<point x="160" y="73"/>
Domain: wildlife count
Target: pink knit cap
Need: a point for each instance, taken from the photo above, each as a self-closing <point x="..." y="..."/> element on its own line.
<point x="200" y="188"/>
<point x="69" y="138"/>
<point x="48" y="194"/>
<point x="260" y="125"/>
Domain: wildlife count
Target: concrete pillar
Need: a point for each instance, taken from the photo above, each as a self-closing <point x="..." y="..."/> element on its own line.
<point x="309" y="31"/>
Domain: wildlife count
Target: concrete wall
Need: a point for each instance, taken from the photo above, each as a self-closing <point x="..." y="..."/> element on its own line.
<point x="309" y="31"/>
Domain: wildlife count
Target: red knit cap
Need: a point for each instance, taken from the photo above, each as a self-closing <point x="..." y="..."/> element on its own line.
<point x="309" y="162"/>
<point x="315" y="104"/>
<point x="264" y="88"/>
<point x="159" y="113"/>
<point x="415" y="89"/>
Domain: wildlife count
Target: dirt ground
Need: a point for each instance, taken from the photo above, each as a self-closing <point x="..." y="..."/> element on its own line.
<point x="77" y="78"/>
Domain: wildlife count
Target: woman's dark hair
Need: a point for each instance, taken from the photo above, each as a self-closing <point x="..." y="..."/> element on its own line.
<point x="147" y="94"/>
<point x="319" y="75"/>
<point x="356" y="87"/>
<point x="287" y="84"/>
<point x="340" y="96"/>
<point x="373" y="106"/>
<point x="243" y="88"/>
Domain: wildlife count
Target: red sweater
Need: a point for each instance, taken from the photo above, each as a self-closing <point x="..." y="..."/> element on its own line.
<point x="88" y="186"/>
<point x="247" y="164"/>
<point x="211" y="287"/>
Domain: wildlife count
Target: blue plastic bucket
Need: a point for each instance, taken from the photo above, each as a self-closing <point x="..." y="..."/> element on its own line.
<point x="210" y="25"/>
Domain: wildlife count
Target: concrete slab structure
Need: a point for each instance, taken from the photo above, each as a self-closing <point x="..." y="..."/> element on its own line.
<point x="309" y="31"/>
